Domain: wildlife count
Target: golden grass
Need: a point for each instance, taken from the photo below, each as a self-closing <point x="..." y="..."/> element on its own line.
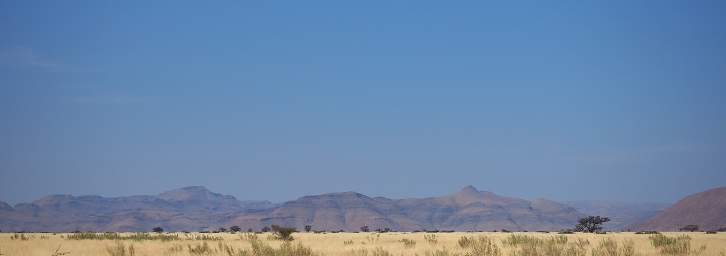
<point x="329" y="244"/>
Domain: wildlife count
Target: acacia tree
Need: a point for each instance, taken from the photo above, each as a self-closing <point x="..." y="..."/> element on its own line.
<point x="690" y="228"/>
<point x="235" y="229"/>
<point x="157" y="229"/>
<point x="283" y="233"/>
<point x="365" y="229"/>
<point x="591" y="224"/>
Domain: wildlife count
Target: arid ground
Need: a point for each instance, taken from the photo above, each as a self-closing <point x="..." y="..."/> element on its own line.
<point x="359" y="244"/>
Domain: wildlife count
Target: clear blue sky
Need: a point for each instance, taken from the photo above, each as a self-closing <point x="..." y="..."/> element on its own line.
<point x="617" y="100"/>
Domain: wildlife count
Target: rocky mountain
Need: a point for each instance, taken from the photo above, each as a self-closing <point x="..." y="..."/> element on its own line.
<point x="621" y="214"/>
<point x="189" y="208"/>
<point x="196" y="208"/>
<point x="468" y="209"/>
<point x="706" y="209"/>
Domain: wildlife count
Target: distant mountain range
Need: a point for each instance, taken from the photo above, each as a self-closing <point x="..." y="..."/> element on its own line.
<point x="468" y="209"/>
<point x="706" y="209"/>
<point x="190" y="208"/>
<point x="196" y="208"/>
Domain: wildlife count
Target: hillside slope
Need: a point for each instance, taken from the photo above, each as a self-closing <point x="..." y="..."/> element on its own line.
<point x="706" y="209"/>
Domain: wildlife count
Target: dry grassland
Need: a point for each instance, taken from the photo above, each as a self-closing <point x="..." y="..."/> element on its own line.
<point x="365" y="244"/>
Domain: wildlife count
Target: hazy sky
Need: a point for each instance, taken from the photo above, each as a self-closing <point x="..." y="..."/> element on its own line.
<point x="617" y="100"/>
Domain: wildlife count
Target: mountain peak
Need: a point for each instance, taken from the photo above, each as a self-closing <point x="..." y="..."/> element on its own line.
<point x="706" y="209"/>
<point x="5" y="206"/>
<point x="191" y="193"/>
<point x="469" y="189"/>
<point x="195" y="189"/>
<point x="52" y="199"/>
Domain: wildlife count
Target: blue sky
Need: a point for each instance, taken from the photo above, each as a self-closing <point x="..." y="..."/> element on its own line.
<point x="615" y="100"/>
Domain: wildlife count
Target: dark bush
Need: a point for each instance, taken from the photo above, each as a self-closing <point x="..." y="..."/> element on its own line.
<point x="647" y="232"/>
<point x="157" y="230"/>
<point x="265" y="229"/>
<point x="689" y="228"/>
<point x="591" y="224"/>
<point x="308" y="228"/>
<point x="283" y="233"/>
<point x="235" y="229"/>
<point x="365" y="229"/>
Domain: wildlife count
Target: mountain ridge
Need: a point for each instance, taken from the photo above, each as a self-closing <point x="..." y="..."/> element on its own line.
<point x="196" y="208"/>
<point x="707" y="209"/>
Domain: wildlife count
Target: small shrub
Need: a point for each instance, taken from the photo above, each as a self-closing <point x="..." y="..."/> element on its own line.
<point x="286" y="248"/>
<point x="431" y="239"/>
<point x="235" y="229"/>
<point x="466" y="242"/>
<point x="283" y="233"/>
<point x="175" y="249"/>
<point x="157" y="230"/>
<point x="117" y="236"/>
<point x="379" y="251"/>
<point x="689" y="228"/>
<point x="484" y="246"/>
<point x="675" y="246"/>
<point x="57" y="252"/>
<point x="373" y="238"/>
<point x="200" y="249"/>
<point x="365" y="229"/>
<point x="711" y="232"/>
<point x="408" y="243"/>
<point x="358" y="252"/>
<point x="204" y="237"/>
<point x="608" y="247"/>
<point x="21" y="237"/>
<point x="525" y="245"/>
<point x="442" y="252"/>
<point x="308" y="228"/>
<point x="348" y="242"/>
<point x="647" y="232"/>
<point x="119" y="249"/>
<point x="248" y="237"/>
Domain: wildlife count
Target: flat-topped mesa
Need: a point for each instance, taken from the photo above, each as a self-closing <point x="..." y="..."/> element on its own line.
<point x="193" y="193"/>
<point x="53" y="200"/>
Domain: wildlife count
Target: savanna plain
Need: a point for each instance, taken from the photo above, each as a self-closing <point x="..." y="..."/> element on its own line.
<point x="364" y="244"/>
